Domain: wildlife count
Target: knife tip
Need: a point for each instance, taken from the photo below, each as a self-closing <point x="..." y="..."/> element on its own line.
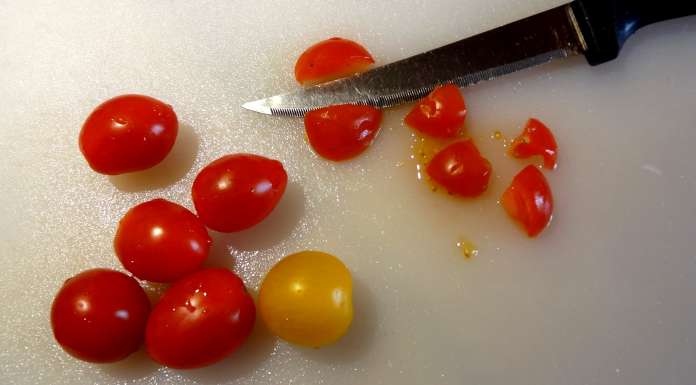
<point x="260" y="106"/>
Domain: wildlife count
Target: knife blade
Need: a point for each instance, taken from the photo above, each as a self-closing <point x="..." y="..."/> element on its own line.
<point x="595" y="28"/>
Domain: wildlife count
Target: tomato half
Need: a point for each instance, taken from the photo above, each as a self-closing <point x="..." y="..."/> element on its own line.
<point x="160" y="241"/>
<point x="441" y="114"/>
<point x="460" y="169"/>
<point x="238" y="191"/>
<point x="200" y="320"/>
<point x="128" y="133"/>
<point x="342" y="132"/>
<point x="536" y="139"/>
<point x="331" y="59"/>
<point x="528" y="200"/>
<point x="99" y="315"/>
<point x="306" y="299"/>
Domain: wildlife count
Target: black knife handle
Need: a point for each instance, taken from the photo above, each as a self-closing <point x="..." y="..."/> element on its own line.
<point x="607" y="24"/>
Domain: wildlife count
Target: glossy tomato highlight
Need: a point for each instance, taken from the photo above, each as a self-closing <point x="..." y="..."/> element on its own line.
<point x="528" y="200"/>
<point x="342" y="132"/>
<point x="536" y="140"/>
<point x="331" y="59"/>
<point x="460" y="169"/>
<point x="441" y="114"/>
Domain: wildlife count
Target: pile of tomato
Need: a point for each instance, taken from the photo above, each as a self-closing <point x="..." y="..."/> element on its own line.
<point x="103" y="315"/>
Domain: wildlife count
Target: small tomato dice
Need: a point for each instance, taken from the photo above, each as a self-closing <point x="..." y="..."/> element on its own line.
<point x="331" y="59"/>
<point x="440" y="114"/>
<point x="99" y="315"/>
<point x="306" y="299"/>
<point x="536" y="139"/>
<point x="128" y="133"/>
<point x="528" y="200"/>
<point x="460" y="169"/>
<point x="238" y="191"/>
<point x="200" y="320"/>
<point x="342" y="132"/>
<point x="161" y="241"/>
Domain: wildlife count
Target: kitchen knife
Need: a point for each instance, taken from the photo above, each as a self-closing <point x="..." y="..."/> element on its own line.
<point x="594" y="28"/>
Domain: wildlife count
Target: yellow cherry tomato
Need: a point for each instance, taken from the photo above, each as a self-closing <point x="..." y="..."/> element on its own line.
<point x="306" y="299"/>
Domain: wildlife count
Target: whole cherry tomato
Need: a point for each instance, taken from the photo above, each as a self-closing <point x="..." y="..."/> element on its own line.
<point x="306" y="299"/>
<point x="200" y="320"/>
<point x="342" y="132"/>
<point x="128" y="133"/>
<point x="536" y="139"/>
<point x="440" y="114"/>
<point x="331" y="59"/>
<point x="161" y="241"/>
<point x="238" y="191"/>
<point x="460" y="169"/>
<point x="99" y="315"/>
<point x="528" y="200"/>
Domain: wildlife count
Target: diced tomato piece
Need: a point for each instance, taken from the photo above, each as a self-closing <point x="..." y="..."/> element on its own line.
<point x="331" y="59"/>
<point x="342" y="132"/>
<point x="536" y="139"/>
<point x="528" y="200"/>
<point x="460" y="169"/>
<point x="440" y="114"/>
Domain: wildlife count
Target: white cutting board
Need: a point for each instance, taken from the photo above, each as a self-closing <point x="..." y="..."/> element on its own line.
<point x="605" y="296"/>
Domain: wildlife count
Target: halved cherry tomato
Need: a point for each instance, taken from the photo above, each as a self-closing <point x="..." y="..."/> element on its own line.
<point x="306" y="299"/>
<point x="200" y="320"/>
<point x="440" y="114"/>
<point x="128" y="133"/>
<point x="99" y="315"/>
<point x="460" y="169"/>
<point x="238" y="191"/>
<point x="528" y="200"/>
<point x="160" y="241"/>
<point x="536" y="139"/>
<point x="342" y="132"/>
<point x="331" y="59"/>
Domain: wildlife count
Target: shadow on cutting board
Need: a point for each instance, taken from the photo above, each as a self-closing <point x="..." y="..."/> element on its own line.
<point x="174" y="167"/>
<point x="278" y="226"/>
<point x="137" y="366"/>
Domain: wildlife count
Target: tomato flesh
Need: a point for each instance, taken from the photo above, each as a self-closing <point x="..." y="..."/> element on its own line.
<point x="306" y="299"/>
<point x="128" y="133"/>
<point x="160" y="241"/>
<point x="441" y="114"/>
<point x="460" y="169"/>
<point x="528" y="200"/>
<point x="99" y="315"/>
<point x="536" y="140"/>
<point x="331" y="59"/>
<point x="342" y="132"/>
<point x="238" y="191"/>
<point x="200" y="320"/>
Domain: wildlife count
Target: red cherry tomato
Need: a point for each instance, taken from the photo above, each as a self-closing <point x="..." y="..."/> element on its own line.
<point x="99" y="315"/>
<point x="331" y="59"/>
<point x="238" y="191"/>
<point x="128" y="133"/>
<point x="536" y="139"/>
<point x="200" y="320"/>
<point x="342" y="132"/>
<point x="528" y="200"/>
<point x="440" y="114"/>
<point x="161" y="241"/>
<point x="460" y="169"/>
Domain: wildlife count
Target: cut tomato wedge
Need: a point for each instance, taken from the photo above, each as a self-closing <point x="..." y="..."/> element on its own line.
<point x="342" y="132"/>
<point x="536" y="140"/>
<point x="331" y="59"/>
<point x="528" y="200"/>
<point x="440" y="114"/>
<point x="460" y="169"/>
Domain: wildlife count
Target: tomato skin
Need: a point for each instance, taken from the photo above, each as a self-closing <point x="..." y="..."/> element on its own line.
<point x="128" y="133"/>
<point x="99" y="315"/>
<point x="306" y="299"/>
<point x="460" y="169"/>
<point x="331" y="59"/>
<point x="343" y="131"/>
<point x="441" y="114"/>
<point x="160" y="241"/>
<point x="200" y="320"/>
<point x="529" y="201"/>
<point x="238" y="191"/>
<point x="536" y="139"/>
